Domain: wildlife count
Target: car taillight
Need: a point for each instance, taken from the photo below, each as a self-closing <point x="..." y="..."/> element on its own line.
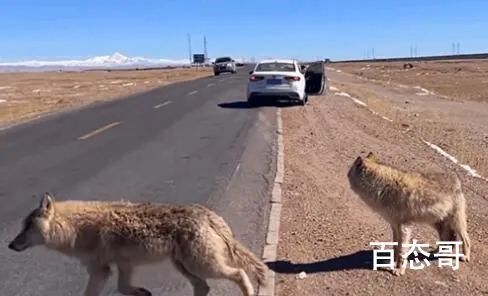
<point x="293" y="78"/>
<point x="255" y="78"/>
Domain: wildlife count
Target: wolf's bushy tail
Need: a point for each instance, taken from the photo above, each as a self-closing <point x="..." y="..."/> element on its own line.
<point x="241" y="256"/>
<point x="246" y="259"/>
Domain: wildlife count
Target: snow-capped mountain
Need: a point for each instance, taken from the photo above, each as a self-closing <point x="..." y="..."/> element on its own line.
<point x="115" y="60"/>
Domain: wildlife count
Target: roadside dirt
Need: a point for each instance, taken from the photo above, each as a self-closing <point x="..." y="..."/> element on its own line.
<point x="457" y="126"/>
<point x="24" y="96"/>
<point x="326" y="230"/>
<point x="464" y="80"/>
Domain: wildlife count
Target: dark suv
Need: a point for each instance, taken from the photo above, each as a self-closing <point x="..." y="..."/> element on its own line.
<point x="224" y="64"/>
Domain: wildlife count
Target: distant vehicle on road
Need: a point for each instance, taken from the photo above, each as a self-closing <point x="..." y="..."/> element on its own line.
<point x="224" y="64"/>
<point x="284" y="79"/>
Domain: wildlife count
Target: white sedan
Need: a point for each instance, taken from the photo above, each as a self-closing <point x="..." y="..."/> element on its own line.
<point x="277" y="78"/>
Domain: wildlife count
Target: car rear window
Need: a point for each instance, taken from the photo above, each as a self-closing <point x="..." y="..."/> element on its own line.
<point x="282" y="67"/>
<point x="223" y="60"/>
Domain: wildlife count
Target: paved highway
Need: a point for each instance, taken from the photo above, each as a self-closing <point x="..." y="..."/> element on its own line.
<point x="181" y="143"/>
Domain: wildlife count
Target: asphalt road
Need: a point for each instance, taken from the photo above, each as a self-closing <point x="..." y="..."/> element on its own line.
<point x="175" y="144"/>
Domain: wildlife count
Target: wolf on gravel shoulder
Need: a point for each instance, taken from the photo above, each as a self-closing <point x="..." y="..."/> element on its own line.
<point x="403" y="198"/>
<point x="100" y="234"/>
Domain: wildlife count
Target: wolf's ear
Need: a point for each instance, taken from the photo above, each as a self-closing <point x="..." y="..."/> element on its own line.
<point x="47" y="202"/>
<point x="372" y="156"/>
<point x="358" y="161"/>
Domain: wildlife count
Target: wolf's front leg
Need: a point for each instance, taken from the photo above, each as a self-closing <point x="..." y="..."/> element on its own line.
<point x="124" y="281"/>
<point x="404" y="233"/>
<point x="98" y="276"/>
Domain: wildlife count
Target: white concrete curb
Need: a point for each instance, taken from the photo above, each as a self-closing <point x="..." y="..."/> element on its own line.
<point x="272" y="237"/>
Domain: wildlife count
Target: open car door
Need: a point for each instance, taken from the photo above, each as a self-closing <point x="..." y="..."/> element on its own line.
<point x="315" y="78"/>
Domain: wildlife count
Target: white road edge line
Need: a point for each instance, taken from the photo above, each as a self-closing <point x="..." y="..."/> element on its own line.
<point x="233" y="176"/>
<point x="272" y="237"/>
<point x="192" y="92"/>
<point x="162" y="104"/>
<point x="99" y="130"/>
<point x="210" y="84"/>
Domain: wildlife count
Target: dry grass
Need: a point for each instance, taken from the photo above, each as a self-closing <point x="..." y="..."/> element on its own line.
<point x="458" y="129"/>
<point x="27" y="95"/>
<point x="459" y="142"/>
<point x="462" y="80"/>
<point x="374" y="100"/>
<point x="454" y="138"/>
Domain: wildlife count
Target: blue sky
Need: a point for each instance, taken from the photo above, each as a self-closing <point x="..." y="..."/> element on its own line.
<point x="345" y="29"/>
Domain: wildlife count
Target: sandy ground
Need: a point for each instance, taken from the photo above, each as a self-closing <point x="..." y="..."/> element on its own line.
<point x="447" y="108"/>
<point x="24" y="96"/>
<point x="326" y="229"/>
<point x="465" y="80"/>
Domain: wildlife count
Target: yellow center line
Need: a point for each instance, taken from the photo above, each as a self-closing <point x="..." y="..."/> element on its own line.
<point x="99" y="130"/>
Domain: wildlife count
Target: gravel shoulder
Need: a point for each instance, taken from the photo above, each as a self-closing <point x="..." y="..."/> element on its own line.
<point x="326" y="230"/>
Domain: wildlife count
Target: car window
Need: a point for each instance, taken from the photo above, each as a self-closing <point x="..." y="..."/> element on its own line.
<point x="286" y="67"/>
<point x="223" y="60"/>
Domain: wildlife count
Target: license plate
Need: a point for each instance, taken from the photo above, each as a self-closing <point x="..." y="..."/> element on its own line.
<point x="274" y="81"/>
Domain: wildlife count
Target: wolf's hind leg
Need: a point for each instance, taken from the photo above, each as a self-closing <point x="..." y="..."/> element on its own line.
<point x="124" y="281"/>
<point x="98" y="276"/>
<point x="200" y="286"/>
<point x="216" y="266"/>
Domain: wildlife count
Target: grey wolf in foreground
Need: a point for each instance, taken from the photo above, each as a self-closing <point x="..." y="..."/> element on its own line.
<point x="99" y="234"/>
<point x="404" y="198"/>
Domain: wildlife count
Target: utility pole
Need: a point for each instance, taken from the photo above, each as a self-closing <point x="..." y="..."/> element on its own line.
<point x="372" y="53"/>
<point x="458" y="51"/>
<point x="205" y="47"/>
<point x="189" y="48"/>
<point x="415" y="50"/>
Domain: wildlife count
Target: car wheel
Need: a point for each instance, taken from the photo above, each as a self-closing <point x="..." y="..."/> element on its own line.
<point x="251" y="101"/>
<point x="303" y="101"/>
<point x="216" y="73"/>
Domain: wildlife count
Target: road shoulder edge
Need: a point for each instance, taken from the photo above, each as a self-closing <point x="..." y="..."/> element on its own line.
<point x="272" y="236"/>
